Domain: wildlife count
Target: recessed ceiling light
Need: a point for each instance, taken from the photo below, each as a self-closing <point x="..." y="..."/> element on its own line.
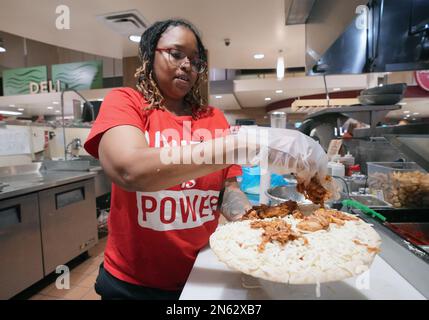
<point x="12" y="105"/>
<point x="2" y="47"/>
<point x="406" y="111"/>
<point x="415" y="113"/>
<point x="10" y="113"/>
<point x="55" y="102"/>
<point x="279" y="91"/>
<point x="218" y="97"/>
<point x="407" y="116"/>
<point x="57" y="111"/>
<point x="259" y="56"/>
<point x="135" y="38"/>
<point x="49" y="108"/>
<point x="336" y="89"/>
<point x="268" y="99"/>
<point x="280" y="66"/>
<point x="21" y="109"/>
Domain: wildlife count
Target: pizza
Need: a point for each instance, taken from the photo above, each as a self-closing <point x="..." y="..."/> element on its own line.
<point x="296" y="248"/>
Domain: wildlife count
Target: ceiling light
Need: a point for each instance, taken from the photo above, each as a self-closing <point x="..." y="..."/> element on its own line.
<point x="415" y="113"/>
<point x="135" y="38"/>
<point x="414" y="119"/>
<point x="336" y="89"/>
<point x="279" y="91"/>
<point x="49" y="108"/>
<point x="259" y="56"/>
<point x="218" y="97"/>
<point x="280" y="65"/>
<point x="268" y="99"/>
<point x="55" y="102"/>
<point x="12" y="105"/>
<point x="407" y="116"/>
<point x="10" y="113"/>
<point x="406" y="111"/>
<point x="57" y="111"/>
<point x="2" y="48"/>
<point x="21" y="109"/>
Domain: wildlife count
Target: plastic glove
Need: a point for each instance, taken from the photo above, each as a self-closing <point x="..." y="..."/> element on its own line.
<point x="289" y="151"/>
<point x="234" y="204"/>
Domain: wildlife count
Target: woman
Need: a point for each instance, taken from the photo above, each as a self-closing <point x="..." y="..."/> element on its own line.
<point x="161" y="214"/>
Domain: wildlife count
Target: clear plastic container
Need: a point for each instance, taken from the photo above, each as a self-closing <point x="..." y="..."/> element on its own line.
<point x="337" y="169"/>
<point x="403" y="184"/>
<point x="348" y="160"/>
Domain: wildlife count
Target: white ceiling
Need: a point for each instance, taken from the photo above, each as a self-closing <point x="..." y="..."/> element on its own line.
<point x="47" y="103"/>
<point x="251" y="93"/>
<point x="254" y="26"/>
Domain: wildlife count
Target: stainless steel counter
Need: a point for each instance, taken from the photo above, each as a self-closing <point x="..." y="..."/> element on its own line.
<point x="27" y="179"/>
<point x="48" y="217"/>
<point x="408" y="260"/>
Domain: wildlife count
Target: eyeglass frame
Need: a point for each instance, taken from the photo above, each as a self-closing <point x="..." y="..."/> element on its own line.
<point x="168" y="50"/>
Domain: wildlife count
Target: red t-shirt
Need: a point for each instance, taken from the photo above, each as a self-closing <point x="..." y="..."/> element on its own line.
<point x="154" y="237"/>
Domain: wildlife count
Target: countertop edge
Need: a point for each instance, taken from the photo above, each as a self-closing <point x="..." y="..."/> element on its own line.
<point x="48" y="185"/>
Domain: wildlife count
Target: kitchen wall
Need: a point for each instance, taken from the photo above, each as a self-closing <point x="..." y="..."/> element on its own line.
<point x="36" y="142"/>
<point x="22" y="53"/>
<point x="261" y="117"/>
<point x="56" y="145"/>
<point x="257" y="114"/>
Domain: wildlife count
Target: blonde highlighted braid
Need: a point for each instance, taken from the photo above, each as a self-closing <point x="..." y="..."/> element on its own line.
<point x="146" y="83"/>
<point x="148" y="87"/>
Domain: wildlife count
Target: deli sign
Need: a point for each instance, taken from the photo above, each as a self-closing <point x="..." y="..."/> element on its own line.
<point x="33" y="80"/>
<point x="45" y="87"/>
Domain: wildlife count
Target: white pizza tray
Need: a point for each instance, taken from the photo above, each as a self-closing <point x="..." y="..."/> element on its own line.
<point x="210" y="279"/>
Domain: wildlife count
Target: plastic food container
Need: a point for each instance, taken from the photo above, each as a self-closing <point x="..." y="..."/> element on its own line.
<point x="403" y="184"/>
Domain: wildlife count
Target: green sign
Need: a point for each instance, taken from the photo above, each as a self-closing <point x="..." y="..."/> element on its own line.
<point x="17" y="81"/>
<point x="79" y="75"/>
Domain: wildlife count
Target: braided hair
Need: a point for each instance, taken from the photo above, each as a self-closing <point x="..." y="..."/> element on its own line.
<point x="146" y="83"/>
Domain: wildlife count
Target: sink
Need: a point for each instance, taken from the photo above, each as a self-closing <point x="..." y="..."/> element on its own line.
<point x="3" y="185"/>
<point x="92" y="161"/>
<point x="68" y="165"/>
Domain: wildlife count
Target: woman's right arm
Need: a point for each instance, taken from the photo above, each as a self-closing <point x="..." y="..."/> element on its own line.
<point x="128" y="160"/>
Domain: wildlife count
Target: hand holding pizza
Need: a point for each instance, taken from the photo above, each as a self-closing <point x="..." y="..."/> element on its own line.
<point x="235" y="204"/>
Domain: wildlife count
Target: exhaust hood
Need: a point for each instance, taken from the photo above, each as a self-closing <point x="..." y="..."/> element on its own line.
<point x="351" y="37"/>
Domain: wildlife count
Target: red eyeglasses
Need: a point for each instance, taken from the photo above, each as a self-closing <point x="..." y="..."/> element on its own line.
<point x="177" y="57"/>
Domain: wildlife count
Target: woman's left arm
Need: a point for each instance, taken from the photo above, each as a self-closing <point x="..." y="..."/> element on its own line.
<point x="235" y="203"/>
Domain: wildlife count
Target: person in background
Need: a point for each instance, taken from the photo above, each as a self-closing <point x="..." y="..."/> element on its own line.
<point x="350" y="125"/>
<point x="403" y="122"/>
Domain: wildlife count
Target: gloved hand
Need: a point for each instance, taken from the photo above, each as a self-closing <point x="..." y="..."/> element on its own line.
<point x="234" y="204"/>
<point x="289" y="151"/>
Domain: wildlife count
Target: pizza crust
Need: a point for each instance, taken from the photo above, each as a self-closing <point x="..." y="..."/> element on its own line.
<point x="330" y="255"/>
